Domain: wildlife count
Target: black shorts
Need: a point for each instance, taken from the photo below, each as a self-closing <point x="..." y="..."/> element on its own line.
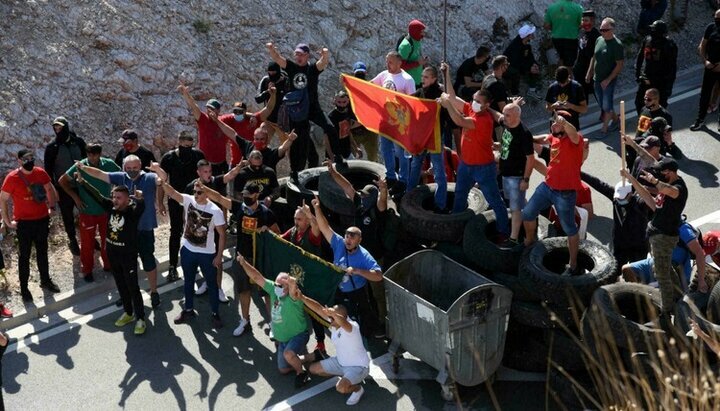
<point x="242" y="281"/>
<point x="567" y="50"/>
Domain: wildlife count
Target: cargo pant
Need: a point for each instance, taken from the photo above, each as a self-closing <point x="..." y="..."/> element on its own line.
<point x="661" y="247"/>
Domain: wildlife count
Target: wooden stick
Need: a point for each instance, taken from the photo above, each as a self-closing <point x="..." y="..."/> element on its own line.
<point x="622" y="137"/>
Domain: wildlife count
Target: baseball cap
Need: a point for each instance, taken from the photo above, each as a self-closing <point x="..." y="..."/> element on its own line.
<point x="23" y="152"/>
<point x="666" y="163"/>
<point x="588" y="13"/>
<point x="659" y="124"/>
<point x="526" y="30"/>
<point x="213" y="103"/>
<point x="710" y="242"/>
<point x="60" y="121"/>
<point x="622" y="190"/>
<point x="302" y="48"/>
<point x="128" y="134"/>
<point x="359" y="67"/>
<point x="251" y="188"/>
<point x="650" y="141"/>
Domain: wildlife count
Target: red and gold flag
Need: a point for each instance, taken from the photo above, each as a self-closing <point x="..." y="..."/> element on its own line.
<point x="409" y="121"/>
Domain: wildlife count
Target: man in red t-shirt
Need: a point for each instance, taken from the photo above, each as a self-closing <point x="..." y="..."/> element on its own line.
<point x="244" y="124"/>
<point x="560" y="186"/>
<point x="33" y="197"/>
<point x="211" y="140"/>
<point x="477" y="159"/>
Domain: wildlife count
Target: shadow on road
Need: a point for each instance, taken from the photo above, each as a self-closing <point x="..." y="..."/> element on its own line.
<point x="60" y="348"/>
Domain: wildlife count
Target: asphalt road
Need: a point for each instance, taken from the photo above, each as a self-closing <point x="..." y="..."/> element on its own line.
<point x="79" y="359"/>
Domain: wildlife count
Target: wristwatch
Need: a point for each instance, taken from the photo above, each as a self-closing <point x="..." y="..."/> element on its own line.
<point x="526" y="179"/>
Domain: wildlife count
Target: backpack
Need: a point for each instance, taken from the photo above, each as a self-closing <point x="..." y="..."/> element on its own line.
<point x="698" y="235"/>
<point x="37" y="190"/>
<point x="399" y="42"/>
<point x="297" y="104"/>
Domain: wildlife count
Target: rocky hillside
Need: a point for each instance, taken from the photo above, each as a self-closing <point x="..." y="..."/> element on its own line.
<point x="111" y="64"/>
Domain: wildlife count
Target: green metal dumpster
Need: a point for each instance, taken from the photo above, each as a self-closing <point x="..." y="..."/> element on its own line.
<point x="448" y="316"/>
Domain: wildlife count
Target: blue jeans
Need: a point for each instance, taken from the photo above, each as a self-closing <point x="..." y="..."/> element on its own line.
<point x="515" y="196"/>
<point x="190" y="261"/>
<point x="564" y="202"/>
<point x="297" y="344"/>
<point x="486" y="177"/>
<point x="605" y="97"/>
<point x="390" y="151"/>
<point x="438" y="165"/>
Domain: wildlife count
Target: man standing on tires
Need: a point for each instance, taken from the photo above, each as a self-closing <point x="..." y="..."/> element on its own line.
<point x="477" y="159"/>
<point x="360" y="267"/>
<point x="662" y="230"/>
<point x="562" y="181"/>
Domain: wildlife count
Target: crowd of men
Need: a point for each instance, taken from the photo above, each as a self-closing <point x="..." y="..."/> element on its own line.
<point x="230" y="175"/>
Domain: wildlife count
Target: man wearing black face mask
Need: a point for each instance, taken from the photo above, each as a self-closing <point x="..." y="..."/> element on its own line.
<point x="656" y="64"/>
<point x="244" y="123"/>
<point x="33" y="197"/>
<point x="271" y="156"/>
<point x="258" y="173"/>
<point x="129" y="140"/>
<point x="709" y="50"/>
<point x="60" y="155"/>
<point x="277" y="78"/>
<point x="180" y="165"/>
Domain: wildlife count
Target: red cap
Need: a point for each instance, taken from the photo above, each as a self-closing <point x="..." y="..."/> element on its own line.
<point x="710" y="242"/>
<point x="415" y="29"/>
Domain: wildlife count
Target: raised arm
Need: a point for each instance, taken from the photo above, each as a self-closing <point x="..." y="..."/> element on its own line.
<point x="268" y="109"/>
<point x="194" y="109"/>
<point x="230" y="175"/>
<point x="600" y="186"/>
<point x="285" y="146"/>
<point x="640" y="189"/>
<point x="227" y="130"/>
<point x="324" y="59"/>
<point x="213" y="195"/>
<point x="104" y="202"/>
<point x="344" y="184"/>
<point x="382" y="201"/>
<point x="93" y="172"/>
<point x="305" y="209"/>
<point x="322" y="222"/>
<point x="456" y="101"/>
<point x="465" y="122"/>
<point x="251" y="271"/>
<point x="275" y="55"/>
<point x="638" y="148"/>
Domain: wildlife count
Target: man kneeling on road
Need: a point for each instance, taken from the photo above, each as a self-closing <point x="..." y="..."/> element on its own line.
<point x="351" y="363"/>
<point x="289" y="323"/>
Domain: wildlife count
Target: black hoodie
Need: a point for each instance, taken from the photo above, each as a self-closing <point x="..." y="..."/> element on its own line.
<point x="62" y="153"/>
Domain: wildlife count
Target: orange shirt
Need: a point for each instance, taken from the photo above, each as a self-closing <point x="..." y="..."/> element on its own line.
<point x="476" y="144"/>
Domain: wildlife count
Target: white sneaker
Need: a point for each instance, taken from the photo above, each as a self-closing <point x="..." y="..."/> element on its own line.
<point x="355" y="397"/>
<point x="221" y="296"/>
<point x="271" y="335"/>
<point x="241" y="327"/>
<point x="202" y="289"/>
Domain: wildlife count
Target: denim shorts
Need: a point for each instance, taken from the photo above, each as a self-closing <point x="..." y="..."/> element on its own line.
<point x="355" y="375"/>
<point x="563" y="200"/>
<point x="298" y="345"/>
<point x="511" y="189"/>
<point x="605" y="97"/>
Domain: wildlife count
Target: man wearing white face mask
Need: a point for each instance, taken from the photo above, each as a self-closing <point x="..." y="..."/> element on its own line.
<point x="289" y="323"/>
<point x="477" y="159"/>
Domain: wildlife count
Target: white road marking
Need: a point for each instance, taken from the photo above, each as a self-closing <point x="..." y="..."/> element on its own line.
<point x="713" y="217"/>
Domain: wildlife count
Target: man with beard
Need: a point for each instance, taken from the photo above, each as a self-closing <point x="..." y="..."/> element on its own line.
<point x="303" y="89"/>
<point x="471" y="72"/>
<point x="179" y="164"/>
<point x="60" y="155"/>
<point x="260" y="174"/>
<point x="276" y="78"/>
<point x="566" y="94"/>
<point x="93" y="218"/>
<point x="656" y="65"/>
<point x="344" y="121"/>
<point x="33" y="197"/>
<point x="134" y="178"/>
<point x="651" y="110"/>
<point x="129" y="140"/>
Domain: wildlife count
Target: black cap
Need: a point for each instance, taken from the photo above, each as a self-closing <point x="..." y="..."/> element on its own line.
<point x="588" y="13"/>
<point x="129" y="134"/>
<point x="650" y="141"/>
<point x="23" y="152"/>
<point x="659" y="27"/>
<point x="659" y="124"/>
<point x="273" y="66"/>
<point x="251" y="188"/>
<point x="666" y="163"/>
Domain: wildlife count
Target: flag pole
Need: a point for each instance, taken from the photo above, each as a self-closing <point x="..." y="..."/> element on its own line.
<point x="445" y="30"/>
<point x="622" y="137"/>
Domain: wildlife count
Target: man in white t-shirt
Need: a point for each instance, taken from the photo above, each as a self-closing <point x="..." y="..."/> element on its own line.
<point x="202" y="216"/>
<point x="351" y="362"/>
<point x="396" y="79"/>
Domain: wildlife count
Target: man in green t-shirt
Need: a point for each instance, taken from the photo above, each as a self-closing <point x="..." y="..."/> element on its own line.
<point x="563" y="18"/>
<point x="605" y="67"/>
<point x="410" y="49"/>
<point x="93" y="217"/>
<point x="288" y="322"/>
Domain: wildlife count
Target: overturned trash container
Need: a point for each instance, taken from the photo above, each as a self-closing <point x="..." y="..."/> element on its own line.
<point x="448" y="316"/>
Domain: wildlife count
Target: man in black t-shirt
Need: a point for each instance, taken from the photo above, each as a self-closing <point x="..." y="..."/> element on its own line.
<point x="494" y="84"/>
<point x="651" y="110"/>
<point x="566" y="94"/>
<point x="470" y="74"/>
<point x="179" y="164"/>
<point x="516" y="165"/>
<point x="260" y="174"/>
<point x="662" y="230"/>
<point x="656" y="64"/>
<point x="709" y="49"/>
<point x="251" y="216"/>
<point x="271" y="156"/>
<point x="129" y="140"/>
<point x="344" y="120"/>
<point x="304" y="77"/>
<point x="586" y="50"/>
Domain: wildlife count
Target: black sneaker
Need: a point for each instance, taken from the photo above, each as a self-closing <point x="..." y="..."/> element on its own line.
<point x="154" y="299"/>
<point x="118" y="303"/>
<point x="509" y="243"/>
<point x="216" y="322"/>
<point x="74" y="248"/>
<point x="184" y="317"/>
<point x="26" y="295"/>
<point x="301" y="379"/>
<point x="50" y="286"/>
<point x="172" y="274"/>
<point x="89" y="278"/>
<point x="697" y="125"/>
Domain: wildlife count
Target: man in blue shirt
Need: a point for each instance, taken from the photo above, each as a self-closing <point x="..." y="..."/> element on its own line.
<point x="134" y="178"/>
<point x="360" y="267"/>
